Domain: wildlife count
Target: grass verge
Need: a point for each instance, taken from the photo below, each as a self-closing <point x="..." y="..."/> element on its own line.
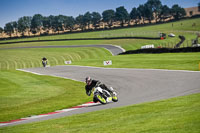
<point x="176" y="115"/>
<point x="24" y="94"/>
<point x="25" y="58"/>
<point x="171" y="61"/>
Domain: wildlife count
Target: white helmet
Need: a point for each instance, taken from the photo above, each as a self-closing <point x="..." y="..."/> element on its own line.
<point x="88" y="80"/>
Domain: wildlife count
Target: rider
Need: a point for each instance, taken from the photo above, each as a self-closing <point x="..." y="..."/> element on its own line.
<point x="44" y="61"/>
<point x="94" y="83"/>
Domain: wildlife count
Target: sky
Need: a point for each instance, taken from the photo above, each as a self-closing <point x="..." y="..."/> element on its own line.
<point x="12" y="10"/>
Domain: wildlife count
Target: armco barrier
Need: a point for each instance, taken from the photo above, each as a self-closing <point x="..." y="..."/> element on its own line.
<point x="162" y="50"/>
<point x="74" y="39"/>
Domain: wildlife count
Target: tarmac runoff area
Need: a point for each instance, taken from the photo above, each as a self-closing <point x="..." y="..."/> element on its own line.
<point x="134" y="86"/>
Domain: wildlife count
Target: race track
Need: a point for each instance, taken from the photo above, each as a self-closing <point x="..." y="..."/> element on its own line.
<point x="113" y="49"/>
<point x="133" y="85"/>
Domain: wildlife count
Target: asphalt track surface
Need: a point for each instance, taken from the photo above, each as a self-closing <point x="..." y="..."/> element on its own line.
<point x="134" y="86"/>
<point x="114" y="50"/>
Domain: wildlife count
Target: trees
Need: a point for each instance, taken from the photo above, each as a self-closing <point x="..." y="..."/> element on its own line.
<point x="9" y="29"/>
<point x="46" y="22"/>
<point x="53" y="22"/>
<point x="59" y="23"/>
<point x="141" y="12"/>
<point x="134" y="15"/>
<point x="36" y="23"/>
<point x="121" y="15"/>
<point x="24" y="24"/>
<point x="148" y="12"/>
<point x="87" y="19"/>
<point x="96" y="18"/>
<point x="69" y="23"/>
<point x="15" y="25"/>
<point x="151" y="10"/>
<point x="155" y="7"/>
<point x="177" y="12"/>
<point x="1" y="30"/>
<point x="165" y="13"/>
<point x="80" y="22"/>
<point x="108" y="17"/>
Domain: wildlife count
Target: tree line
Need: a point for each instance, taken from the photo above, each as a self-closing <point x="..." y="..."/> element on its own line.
<point x="152" y="10"/>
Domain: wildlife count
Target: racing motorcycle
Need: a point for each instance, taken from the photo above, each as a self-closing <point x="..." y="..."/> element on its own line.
<point x="103" y="96"/>
<point x="44" y="63"/>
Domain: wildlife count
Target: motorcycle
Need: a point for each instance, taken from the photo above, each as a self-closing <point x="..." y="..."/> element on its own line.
<point x="103" y="96"/>
<point x="44" y="63"/>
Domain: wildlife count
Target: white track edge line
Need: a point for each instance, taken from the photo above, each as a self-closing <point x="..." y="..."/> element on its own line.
<point x="134" y="69"/>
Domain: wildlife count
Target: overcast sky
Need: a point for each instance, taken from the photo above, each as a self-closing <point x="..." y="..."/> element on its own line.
<point x="12" y="10"/>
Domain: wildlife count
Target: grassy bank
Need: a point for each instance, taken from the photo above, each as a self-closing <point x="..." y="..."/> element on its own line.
<point x="25" y="58"/>
<point x="176" y="115"/>
<point x="23" y="94"/>
<point x="171" y="61"/>
<point x="11" y="59"/>
<point x="183" y="27"/>
<point x="146" y="31"/>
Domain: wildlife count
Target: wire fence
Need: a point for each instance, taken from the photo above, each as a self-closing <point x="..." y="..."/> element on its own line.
<point x="131" y="34"/>
<point x="186" y="43"/>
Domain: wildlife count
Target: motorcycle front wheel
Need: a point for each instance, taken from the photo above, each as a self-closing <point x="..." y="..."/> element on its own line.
<point x="100" y="99"/>
<point x="114" y="98"/>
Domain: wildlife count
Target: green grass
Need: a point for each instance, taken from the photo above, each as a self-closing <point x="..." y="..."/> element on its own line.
<point x="24" y="94"/>
<point x="25" y="58"/>
<point x="176" y="115"/>
<point x="171" y="61"/>
<point x="87" y="42"/>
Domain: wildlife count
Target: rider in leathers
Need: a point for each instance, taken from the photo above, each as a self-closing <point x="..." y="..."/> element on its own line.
<point x="90" y="84"/>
